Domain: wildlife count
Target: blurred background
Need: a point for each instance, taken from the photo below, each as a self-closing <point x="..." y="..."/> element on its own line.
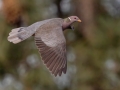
<point x="93" y="48"/>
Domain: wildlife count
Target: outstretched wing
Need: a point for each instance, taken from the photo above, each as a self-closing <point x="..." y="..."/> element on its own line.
<point x="51" y="43"/>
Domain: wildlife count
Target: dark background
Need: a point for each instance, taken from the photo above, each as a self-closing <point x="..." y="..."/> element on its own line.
<point x="93" y="48"/>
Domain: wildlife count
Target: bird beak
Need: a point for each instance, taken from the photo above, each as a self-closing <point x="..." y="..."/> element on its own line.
<point x="79" y="20"/>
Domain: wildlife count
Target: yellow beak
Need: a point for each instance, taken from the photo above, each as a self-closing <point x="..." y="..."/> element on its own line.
<point x="79" y="20"/>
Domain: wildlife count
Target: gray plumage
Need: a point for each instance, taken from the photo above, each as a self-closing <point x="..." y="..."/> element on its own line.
<point x="49" y="39"/>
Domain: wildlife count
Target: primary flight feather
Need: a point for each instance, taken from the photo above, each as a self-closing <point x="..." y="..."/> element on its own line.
<point x="49" y="39"/>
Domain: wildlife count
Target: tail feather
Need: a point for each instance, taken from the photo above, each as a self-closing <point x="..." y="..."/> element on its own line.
<point x="19" y="34"/>
<point x="13" y="32"/>
<point x="13" y="36"/>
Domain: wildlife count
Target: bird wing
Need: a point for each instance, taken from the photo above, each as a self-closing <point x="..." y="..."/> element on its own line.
<point x="51" y="43"/>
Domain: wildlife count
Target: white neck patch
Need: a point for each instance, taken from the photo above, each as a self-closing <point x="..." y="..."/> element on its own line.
<point x="69" y="18"/>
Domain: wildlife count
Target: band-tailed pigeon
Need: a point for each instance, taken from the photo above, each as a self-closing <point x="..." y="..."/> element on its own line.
<point x="49" y="39"/>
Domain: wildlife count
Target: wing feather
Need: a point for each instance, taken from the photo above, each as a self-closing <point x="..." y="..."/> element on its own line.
<point x="55" y="62"/>
<point x="51" y="44"/>
<point x="58" y="65"/>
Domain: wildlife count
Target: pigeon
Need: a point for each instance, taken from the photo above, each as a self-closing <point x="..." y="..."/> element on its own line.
<point x="49" y="39"/>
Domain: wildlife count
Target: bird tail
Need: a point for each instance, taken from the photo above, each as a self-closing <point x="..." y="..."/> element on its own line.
<point x="14" y="36"/>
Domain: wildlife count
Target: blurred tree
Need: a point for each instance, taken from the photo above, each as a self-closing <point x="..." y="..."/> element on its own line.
<point x="16" y="57"/>
<point x="94" y="49"/>
<point x="85" y="9"/>
<point x="58" y="4"/>
<point x="13" y="12"/>
<point x="97" y="52"/>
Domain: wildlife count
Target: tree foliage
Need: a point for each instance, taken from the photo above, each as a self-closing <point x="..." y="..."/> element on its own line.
<point x="93" y="48"/>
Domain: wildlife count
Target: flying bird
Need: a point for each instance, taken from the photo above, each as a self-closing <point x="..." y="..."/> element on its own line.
<point x="49" y="39"/>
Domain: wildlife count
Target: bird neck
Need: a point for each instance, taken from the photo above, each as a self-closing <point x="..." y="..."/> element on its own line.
<point x="66" y="23"/>
<point x="67" y="20"/>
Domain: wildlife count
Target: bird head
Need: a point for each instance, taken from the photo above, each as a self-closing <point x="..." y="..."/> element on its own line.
<point x="74" y="19"/>
<point x="69" y="21"/>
